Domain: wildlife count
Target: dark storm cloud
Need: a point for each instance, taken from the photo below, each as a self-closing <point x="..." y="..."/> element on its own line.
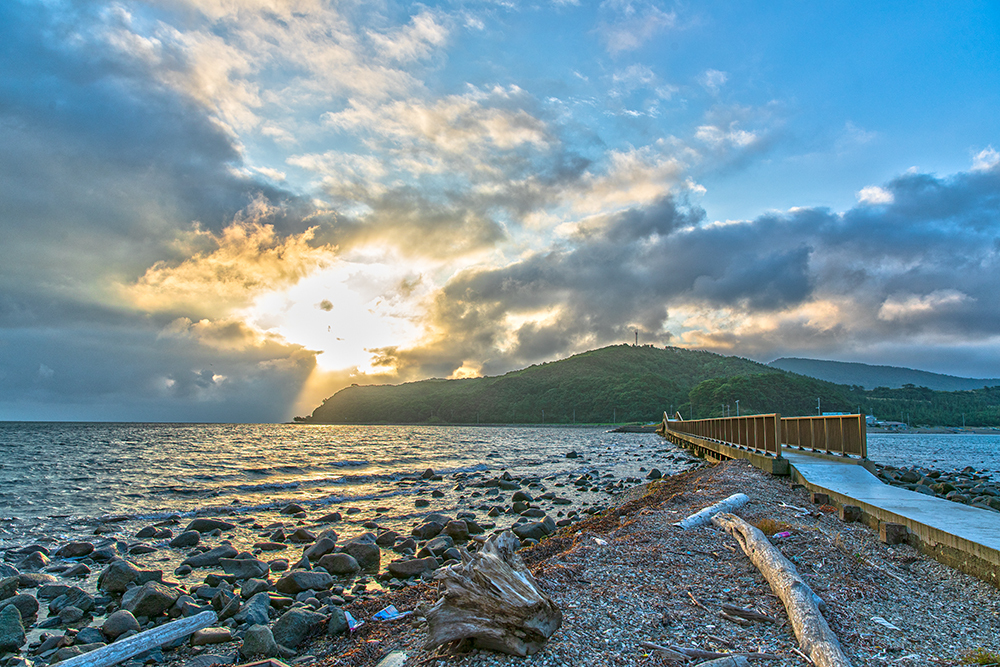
<point x="924" y="265"/>
<point x="102" y="167"/>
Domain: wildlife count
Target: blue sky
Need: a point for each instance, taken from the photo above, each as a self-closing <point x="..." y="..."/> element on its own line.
<point x="226" y="210"/>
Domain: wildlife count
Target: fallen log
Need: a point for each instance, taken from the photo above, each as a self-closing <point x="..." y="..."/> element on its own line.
<point x="704" y="517"/>
<point x="492" y="599"/>
<point x="811" y="629"/>
<point x="124" y="649"/>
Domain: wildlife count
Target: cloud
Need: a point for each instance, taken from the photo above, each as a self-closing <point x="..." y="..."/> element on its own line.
<point x="920" y="269"/>
<point x="874" y="195"/>
<point x="986" y="159"/>
<point x="713" y="79"/>
<point x="630" y="24"/>
<point x="412" y="42"/>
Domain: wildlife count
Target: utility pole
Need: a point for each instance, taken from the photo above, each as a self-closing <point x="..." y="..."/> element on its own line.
<point x="637" y="338"/>
<point x="543" y="416"/>
<point x="819" y="410"/>
<point x="737" y="407"/>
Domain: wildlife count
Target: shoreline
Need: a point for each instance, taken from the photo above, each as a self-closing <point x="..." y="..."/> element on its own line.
<point x="626" y="575"/>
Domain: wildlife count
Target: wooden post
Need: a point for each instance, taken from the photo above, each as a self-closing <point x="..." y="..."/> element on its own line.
<point x="124" y="649"/>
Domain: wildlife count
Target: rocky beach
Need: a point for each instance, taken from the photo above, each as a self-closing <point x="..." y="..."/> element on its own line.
<point x="305" y="584"/>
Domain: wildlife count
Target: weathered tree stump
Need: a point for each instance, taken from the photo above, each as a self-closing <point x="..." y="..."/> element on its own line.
<point x="492" y="599"/>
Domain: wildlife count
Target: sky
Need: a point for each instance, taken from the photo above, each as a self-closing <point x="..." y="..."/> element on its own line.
<point x="227" y="210"/>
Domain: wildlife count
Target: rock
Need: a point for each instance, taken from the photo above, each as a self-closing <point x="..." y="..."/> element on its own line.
<point x="71" y="614"/>
<point x="440" y="544"/>
<point x="301" y="535"/>
<point x="295" y="625"/>
<point x="89" y="635"/>
<point x="427" y="530"/>
<point x="75" y="597"/>
<point x="535" y="530"/>
<point x="12" y="635"/>
<point x="572" y="455"/>
<point x="533" y="513"/>
<point x="924" y="489"/>
<point x="146" y="533"/>
<point x="8" y="587"/>
<point x="404" y="569"/>
<point x="251" y="587"/>
<point x="151" y="599"/>
<point x="208" y="525"/>
<point x="292" y="508"/>
<point x="365" y="551"/>
<point x="278" y="565"/>
<point x="8" y="570"/>
<point x="26" y="605"/>
<point x="119" y="623"/>
<point x="458" y="530"/>
<point x="421" y="502"/>
<point x="77" y="571"/>
<point x="909" y="477"/>
<point x="212" y="557"/>
<point x="332" y="517"/>
<point x="35" y="579"/>
<point x="189" y="538"/>
<point x="75" y="550"/>
<point x="207" y="636"/>
<point x="339" y="563"/>
<point x="245" y="568"/>
<point x="270" y="546"/>
<point x="116" y="577"/>
<point x="322" y="547"/>
<point x="522" y="496"/>
<point x="36" y="560"/>
<point x="654" y="474"/>
<point x="387" y="539"/>
<point x="300" y="580"/>
<point x="256" y="610"/>
<point x="259" y="642"/>
<point x="518" y="507"/>
<point x="338" y="622"/>
<point x="428" y="474"/>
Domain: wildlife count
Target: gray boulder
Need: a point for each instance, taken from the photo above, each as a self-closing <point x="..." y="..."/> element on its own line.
<point x="12" y="635"/>
<point x="322" y="547"/>
<point x="150" y="599"/>
<point x="364" y="550"/>
<point x="440" y="544"/>
<point x="74" y="597"/>
<point x="8" y="587"/>
<point x="404" y="569"/>
<point x="245" y="568"/>
<point x="535" y="530"/>
<point x="116" y="577"/>
<point x="35" y="579"/>
<point x="303" y="580"/>
<point x="458" y="530"/>
<point x="341" y="563"/>
<point x="256" y="610"/>
<point x="338" y="622"/>
<point x="259" y="642"/>
<point x="25" y="604"/>
<point x="251" y="587"/>
<point x="208" y="525"/>
<point x="295" y="625"/>
<point x="211" y="558"/>
<point x="119" y="623"/>
<point x="75" y="550"/>
<point x="189" y="538"/>
<point x="89" y="635"/>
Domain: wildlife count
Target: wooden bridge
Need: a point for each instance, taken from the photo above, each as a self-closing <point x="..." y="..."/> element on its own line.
<point x="762" y="438"/>
<point x="829" y="456"/>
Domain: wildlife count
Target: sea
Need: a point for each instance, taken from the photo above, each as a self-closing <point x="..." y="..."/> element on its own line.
<point x="58" y="481"/>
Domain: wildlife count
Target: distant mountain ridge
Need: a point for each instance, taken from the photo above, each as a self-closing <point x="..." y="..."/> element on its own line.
<point x="870" y="376"/>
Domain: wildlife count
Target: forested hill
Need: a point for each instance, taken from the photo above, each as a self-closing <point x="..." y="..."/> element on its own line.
<point x="870" y="377"/>
<point x="617" y="383"/>
<point x="626" y="383"/>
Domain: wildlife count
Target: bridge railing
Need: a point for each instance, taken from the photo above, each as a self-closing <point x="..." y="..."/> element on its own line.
<point x="833" y="434"/>
<point x="760" y="433"/>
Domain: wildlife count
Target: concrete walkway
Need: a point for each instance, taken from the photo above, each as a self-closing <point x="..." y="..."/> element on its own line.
<point x="964" y="537"/>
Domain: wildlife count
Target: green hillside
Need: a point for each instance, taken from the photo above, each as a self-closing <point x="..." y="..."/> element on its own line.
<point x="626" y="383"/>
<point x="619" y="383"/>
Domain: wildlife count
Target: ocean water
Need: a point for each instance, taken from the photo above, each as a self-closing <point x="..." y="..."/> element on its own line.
<point x="938" y="451"/>
<point x="59" y="480"/>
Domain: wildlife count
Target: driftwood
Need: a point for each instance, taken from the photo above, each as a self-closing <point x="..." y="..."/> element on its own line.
<point x="492" y="599"/>
<point x="704" y="517"/>
<point x="811" y="629"/>
<point x="124" y="649"/>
